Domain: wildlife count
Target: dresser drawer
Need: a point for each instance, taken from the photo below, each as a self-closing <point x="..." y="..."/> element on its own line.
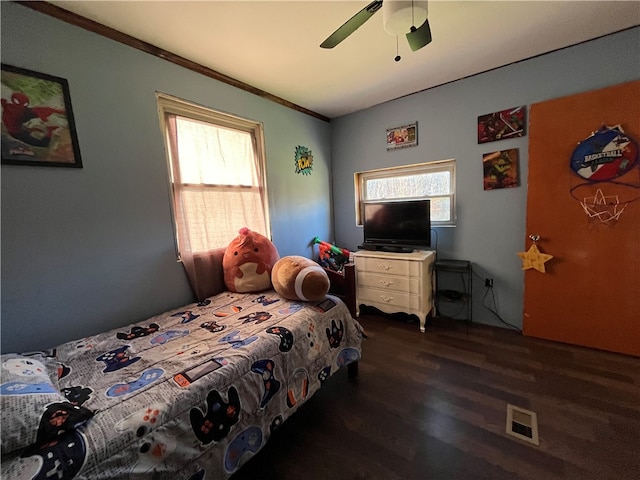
<point x="388" y="266"/>
<point x="376" y="296"/>
<point x="391" y="282"/>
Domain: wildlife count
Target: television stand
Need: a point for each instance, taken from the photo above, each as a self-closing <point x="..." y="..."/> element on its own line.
<point x="396" y="249"/>
<point x="395" y="282"/>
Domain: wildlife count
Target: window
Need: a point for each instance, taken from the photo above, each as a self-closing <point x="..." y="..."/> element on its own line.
<point x="434" y="181"/>
<point x="217" y="174"/>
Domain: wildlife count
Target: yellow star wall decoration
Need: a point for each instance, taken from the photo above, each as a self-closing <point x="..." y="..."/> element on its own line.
<point x="533" y="258"/>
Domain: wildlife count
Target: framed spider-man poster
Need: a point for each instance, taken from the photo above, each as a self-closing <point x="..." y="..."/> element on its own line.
<point x="37" y="121"/>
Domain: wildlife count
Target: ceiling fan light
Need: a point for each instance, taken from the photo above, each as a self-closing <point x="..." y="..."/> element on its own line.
<point x="398" y="16"/>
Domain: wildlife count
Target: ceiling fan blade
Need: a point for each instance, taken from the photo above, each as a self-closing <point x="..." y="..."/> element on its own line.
<point x="352" y="24"/>
<point x="420" y="36"/>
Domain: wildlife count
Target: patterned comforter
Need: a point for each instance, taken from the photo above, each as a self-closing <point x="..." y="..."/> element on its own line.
<point x="189" y="394"/>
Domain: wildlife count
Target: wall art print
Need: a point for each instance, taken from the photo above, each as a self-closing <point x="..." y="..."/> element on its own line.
<point x="508" y="123"/>
<point x="37" y="120"/>
<point x="402" y="137"/>
<point x="500" y="169"/>
<point x="303" y="160"/>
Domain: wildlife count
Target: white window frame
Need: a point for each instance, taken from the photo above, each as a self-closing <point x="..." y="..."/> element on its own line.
<point x="168" y="104"/>
<point x="360" y="178"/>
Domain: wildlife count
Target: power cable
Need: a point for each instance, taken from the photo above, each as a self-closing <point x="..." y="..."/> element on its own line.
<point x="494" y="310"/>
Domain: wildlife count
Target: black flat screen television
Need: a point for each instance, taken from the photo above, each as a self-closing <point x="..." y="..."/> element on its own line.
<point x="397" y="225"/>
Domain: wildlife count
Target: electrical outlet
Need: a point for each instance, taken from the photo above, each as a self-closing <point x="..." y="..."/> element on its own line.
<point x="488" y="282"/>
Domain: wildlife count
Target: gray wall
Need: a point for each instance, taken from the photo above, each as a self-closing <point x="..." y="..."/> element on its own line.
<point x="491" y="224"/>
<point x="85" y="250"/>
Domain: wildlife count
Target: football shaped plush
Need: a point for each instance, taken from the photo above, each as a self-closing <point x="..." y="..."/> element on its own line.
<point x="298" y="278"/>
<point x="248" y="261"/>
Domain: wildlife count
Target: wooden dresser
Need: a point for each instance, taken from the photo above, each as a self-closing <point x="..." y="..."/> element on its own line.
<point x="395" y="282"/>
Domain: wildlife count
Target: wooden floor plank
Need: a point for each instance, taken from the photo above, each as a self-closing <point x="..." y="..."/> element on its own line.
<point x="433" y="406"/>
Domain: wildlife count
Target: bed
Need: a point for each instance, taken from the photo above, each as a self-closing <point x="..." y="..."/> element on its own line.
<point x="190" y="394"/>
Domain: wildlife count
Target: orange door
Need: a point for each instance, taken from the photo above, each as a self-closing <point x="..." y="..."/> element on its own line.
<point x="590" y="293"/>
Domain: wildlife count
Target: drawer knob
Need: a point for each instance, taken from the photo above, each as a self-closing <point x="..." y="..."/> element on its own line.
<point x="386" y="299"/>
<point x="384" y="266"/>
<point x="385" y="283"/>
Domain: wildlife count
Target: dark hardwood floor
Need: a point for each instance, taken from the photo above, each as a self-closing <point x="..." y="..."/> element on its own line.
<point x="433" y="406"/>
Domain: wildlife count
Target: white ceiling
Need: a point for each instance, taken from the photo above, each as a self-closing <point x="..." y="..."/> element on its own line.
<point x="274" y="45"/>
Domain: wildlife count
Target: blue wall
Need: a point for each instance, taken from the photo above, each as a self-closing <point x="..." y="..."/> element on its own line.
<point x="85" y="250"/>
<point x="90" y="249"/>
<point x="491" y="224"/>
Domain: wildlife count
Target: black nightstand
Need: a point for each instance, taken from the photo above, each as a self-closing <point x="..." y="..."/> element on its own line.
<point x="457" y="275"/>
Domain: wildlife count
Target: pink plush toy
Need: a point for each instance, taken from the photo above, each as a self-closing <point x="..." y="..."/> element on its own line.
<point x="248" y="261"/>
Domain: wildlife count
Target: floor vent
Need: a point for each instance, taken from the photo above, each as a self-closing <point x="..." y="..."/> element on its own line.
<point x="522" y="424"/>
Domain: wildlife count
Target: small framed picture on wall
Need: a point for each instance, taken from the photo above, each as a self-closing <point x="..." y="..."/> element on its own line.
<point x="508" y="123"/>
<point x="402" y="137"/>
<point x="37" y="121"/>
<point x="500" y="169"/>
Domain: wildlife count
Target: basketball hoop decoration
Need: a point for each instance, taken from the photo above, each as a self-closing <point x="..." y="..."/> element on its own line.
<point x="534" y="258"/>
<point x="603" y="158"/>
<point x="605" y="208"/>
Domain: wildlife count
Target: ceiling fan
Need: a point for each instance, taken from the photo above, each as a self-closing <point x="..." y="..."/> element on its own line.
<point x="399" y="18"/>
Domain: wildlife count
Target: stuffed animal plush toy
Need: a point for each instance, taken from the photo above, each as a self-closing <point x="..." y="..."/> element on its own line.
<point x="298" y="278"/>
<point x="248" y="261"/>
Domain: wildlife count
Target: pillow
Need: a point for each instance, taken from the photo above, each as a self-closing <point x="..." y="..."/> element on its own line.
<point x="298" y="278"/>
<point x="248" y="261"/>
<point x="32" y="409"/>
